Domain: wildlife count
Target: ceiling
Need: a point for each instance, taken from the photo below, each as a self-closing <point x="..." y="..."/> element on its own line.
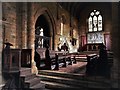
<point x="75" y="8"/>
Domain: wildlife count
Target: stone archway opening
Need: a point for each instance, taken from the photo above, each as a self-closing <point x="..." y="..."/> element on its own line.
<point x="43" y="36"/>
<point x="42" y="32"/>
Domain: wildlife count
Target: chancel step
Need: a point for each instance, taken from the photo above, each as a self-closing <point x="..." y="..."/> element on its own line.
<point x="30" y="81"/>
<point x="27" y="77"/>
<point x="39" y="86"/>
<point x="24" y="71"/>
<point x="61" y="74"/>
<point x="73" y="80"/>
<point x="51" y="85"/>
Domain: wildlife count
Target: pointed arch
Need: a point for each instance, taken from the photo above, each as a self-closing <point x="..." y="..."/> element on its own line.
<point x="50" y="19"/>
<point x="95" y="21"/>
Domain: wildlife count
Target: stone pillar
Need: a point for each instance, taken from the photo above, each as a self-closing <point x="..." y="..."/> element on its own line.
<point x="115" y="46"/>
<point x="119" y="43"/>
<point x="24" y="25"/>
<point x="18" y="25"/>
<point x="2" y="82"/>
<point x="31" y="34"/>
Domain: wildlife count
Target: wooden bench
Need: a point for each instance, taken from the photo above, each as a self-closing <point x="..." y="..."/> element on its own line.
<point x="62" y="58"/>
<point x="110" y="57"/>
<point x="55" y="59"/>
<point x="73" y="57"/>
<point x="40" y="58"/>
<point x="91" y="66"/>
<point x="46" y="62"/>
<point x="52" y="61"/>
<point x="65" y="58"/>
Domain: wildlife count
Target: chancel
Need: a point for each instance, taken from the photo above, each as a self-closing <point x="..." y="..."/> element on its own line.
<point x="58" y="45"/>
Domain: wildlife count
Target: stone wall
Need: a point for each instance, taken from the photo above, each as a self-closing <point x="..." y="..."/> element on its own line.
<point x="1" y="45"/>
<point x="20" y="19"/>
<point x="19" y="27"/>
<point x="17" y="21"/>
<point x="111" y="26"/>
<point x="56" y="13"/>
<point x="67" y="28"/>
<point x="105" y="9"/>
<point x="115" y="33"/>
<point x="9" y="16"/>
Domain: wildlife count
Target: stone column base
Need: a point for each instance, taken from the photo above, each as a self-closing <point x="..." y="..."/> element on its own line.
<point x="34" y="68"/>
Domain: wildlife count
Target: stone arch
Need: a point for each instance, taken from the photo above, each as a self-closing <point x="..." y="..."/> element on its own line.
<point x="49" y="17"/>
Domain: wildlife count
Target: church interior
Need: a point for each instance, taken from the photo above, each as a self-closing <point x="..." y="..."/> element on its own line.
<point x="58" y="45"/>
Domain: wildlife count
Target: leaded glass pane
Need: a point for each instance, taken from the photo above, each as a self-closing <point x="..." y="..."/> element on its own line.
<point x="95" y="23"/>
<point x="92" y="13"/>
<point x="97" y="12"/>
<point x="90" y="24"/>
<point x="99" y="23"/>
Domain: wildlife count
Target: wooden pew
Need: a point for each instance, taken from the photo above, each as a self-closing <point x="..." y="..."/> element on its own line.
<point x="50" y="60"/>
<point x="40" y="58"/>
<point x="91" y="66"/>
<point x="54" y="59"/>
<point x="110" y="57"/>
<point x="61" y="58"/>
<point x="26" y="57"/>
<point x="73" y="57"/>
<point x="64" y="59"/>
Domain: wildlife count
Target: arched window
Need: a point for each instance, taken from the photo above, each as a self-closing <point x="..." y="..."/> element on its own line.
<point x="94" y="26"/>
<point x="95" y="21"/>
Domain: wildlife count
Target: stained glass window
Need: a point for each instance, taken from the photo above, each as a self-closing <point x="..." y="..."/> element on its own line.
<point x="99" y="23"/>
<point x="95" y="21"/>
<point x="90" y="24"/>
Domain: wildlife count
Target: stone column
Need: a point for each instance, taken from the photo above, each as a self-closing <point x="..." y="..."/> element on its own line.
<point x="31" y="33"/>
<point x="18" y="25"/>
<point x="24" y="25"/>
<point x="115" y="46"/>
<point x="119" y="44"/>
<point x="2" y="82"/>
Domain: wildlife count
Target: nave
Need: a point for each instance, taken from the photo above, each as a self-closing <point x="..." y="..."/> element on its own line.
<point x="41" y="40"/>
<point x="75" y="76"/>
<point x="79" y="74"/>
